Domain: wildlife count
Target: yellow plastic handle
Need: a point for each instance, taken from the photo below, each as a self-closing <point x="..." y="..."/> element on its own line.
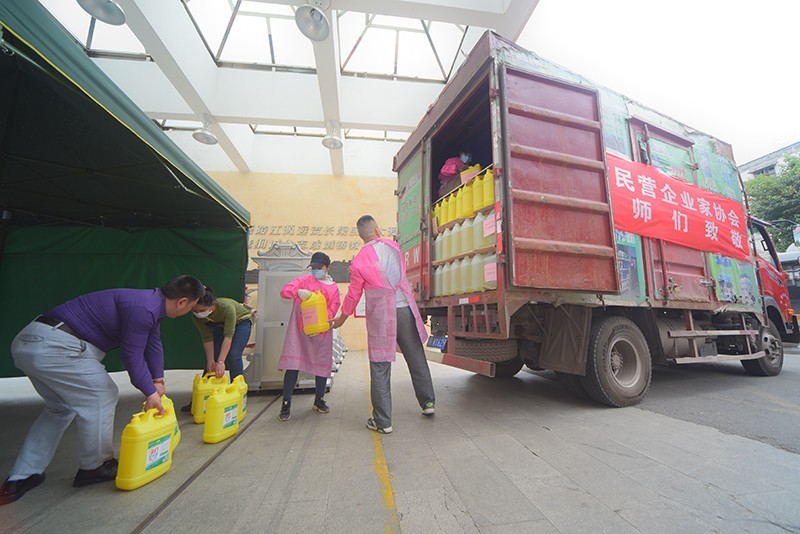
<point x="153" y="412"/>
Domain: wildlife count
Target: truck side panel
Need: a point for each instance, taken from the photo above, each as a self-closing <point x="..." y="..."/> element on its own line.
<point x="410" y="198"/>
<point x="560" y="227"/>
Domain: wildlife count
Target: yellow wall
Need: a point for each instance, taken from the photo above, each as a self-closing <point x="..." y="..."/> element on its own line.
<point x="318" y="212"/>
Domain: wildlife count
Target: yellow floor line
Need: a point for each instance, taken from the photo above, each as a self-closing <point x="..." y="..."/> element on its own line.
<point x="391" y="522"/>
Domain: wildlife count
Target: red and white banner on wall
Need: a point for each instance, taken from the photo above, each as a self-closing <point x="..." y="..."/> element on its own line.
<point x="652" y="204"/>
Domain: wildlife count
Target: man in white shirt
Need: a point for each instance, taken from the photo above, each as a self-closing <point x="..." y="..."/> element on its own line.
<point x="393" y="320"/>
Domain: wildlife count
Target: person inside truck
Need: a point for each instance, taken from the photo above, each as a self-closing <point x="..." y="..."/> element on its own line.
<point x="450" y="175"/>
<point x="393" y="320"/>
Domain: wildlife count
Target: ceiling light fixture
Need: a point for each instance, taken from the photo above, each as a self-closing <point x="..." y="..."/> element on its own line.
<point x="311" y="20"/>
<point x="205" y="135"/>
<point x="107" y="11"/>
<point x="332" y="139"/>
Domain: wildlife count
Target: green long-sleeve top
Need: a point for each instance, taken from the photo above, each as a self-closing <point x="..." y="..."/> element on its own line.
<point x="228" y="312"/>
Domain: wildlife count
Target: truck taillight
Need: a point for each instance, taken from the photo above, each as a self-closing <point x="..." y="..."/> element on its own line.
<point x="791" y="312"/>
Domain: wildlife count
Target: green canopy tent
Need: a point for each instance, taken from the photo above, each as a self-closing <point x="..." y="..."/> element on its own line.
<point x="93" y="194"/>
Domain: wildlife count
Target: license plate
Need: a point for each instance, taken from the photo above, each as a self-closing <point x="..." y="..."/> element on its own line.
<point x="437" y="342"/>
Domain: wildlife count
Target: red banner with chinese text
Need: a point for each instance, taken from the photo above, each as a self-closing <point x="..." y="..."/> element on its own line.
<point x="652" y="204"/>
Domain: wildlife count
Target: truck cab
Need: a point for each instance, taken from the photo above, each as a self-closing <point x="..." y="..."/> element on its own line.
<point x="774" y="283"/>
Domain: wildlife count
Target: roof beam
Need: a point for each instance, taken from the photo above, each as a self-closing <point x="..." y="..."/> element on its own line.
<point x="507" y="17"/>
<point x="326" y="58"/>
<point x="170" y="38"/>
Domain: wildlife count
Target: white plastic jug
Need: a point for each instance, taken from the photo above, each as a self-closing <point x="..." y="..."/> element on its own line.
<point x="437" y="247"/>
<point x="457" y="277"/>
<point x="476" y="273"/>
<point x="488" y="231"/>
<point x="467" y="235"/>
<point x="437" y="281"/>
<point x="466" y="275"/>
<point x="447" y="244"/>
<point x="490" y="271"/>
<point x="477" y="231"/>
<point x="446" y="279"/>
<point x="456" y="240"/>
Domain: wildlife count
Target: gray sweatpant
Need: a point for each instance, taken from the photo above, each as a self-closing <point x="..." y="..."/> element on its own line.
<point x="381" y="372"/>
<point x="67" y="373"/>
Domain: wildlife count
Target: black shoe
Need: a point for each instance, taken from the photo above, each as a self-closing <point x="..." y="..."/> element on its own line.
<point x="187" y="408"/>
<point x="107" y="471"/>
<point x="321" y="406"/>
<point x="13" y="490"/>
<point x="286" y="408"/>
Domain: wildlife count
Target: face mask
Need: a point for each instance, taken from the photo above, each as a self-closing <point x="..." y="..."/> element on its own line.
<point x="202" y="314"/>
<point x="318" y="273"/>
<point x="466" y="158"/>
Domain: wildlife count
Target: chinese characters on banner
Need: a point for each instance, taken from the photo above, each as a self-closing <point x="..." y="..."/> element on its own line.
<point x="652" y="204"/>
<point x="310" y="238"/>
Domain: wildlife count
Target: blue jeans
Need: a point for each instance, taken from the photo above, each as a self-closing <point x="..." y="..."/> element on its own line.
<point x="240" y="338"/>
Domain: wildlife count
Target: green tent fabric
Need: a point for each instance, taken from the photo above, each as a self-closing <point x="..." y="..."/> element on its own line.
<point x="98" y="195"/>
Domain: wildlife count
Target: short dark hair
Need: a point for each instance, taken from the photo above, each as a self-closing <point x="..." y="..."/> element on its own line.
<point x="209" y="299"/>
<point x="365" y="225"/>
<point x="183" y="286"/>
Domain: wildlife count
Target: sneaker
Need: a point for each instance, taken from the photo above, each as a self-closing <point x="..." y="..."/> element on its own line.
<point x="107" y="471"/>
<point x="372" y="425"/>
<point x="187" y="408"/>
<point x="428" y="408"/>
<point x="321" y="406"/>
<point x="285" y="414"/>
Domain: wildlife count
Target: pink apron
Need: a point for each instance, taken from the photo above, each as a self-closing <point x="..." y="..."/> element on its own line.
<point x="309" y="354"/>
<point x="367" y="276"/>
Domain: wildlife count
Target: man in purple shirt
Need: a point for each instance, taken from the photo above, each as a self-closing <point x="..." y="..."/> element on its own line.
<point x="61" y="352"/>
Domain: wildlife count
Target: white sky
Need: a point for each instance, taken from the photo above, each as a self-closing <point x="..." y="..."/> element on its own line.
<point x="726" y="67"/>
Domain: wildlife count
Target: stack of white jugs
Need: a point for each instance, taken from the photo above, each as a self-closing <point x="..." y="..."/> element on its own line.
<point x="467" y="271"/>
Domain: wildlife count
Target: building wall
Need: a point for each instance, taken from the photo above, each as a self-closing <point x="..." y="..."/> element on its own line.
<point x="768" y="163"/>
<point x="318" y="212"/>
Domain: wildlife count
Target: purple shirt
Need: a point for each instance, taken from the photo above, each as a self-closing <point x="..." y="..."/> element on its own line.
<point x="126" y="318"/>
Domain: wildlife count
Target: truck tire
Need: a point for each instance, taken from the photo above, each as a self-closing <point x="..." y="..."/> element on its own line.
<point x="770" y="342"/>
<point x="618" y="366"/>
<point x="508" y="368"/>
<point x="487" y="350"/>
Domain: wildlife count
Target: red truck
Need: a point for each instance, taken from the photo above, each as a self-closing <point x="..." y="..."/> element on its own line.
<point x="594" y="236"/>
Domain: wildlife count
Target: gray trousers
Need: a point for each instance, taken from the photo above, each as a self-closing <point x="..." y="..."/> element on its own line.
<point x="67" y="373"/>
<point x="381" y="372"/>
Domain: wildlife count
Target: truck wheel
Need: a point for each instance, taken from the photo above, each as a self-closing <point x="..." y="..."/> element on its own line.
<point x="618" y="366"/>
<point x="770" y="342"/>
<point x="573" y="384"/>
<point x="508" y="368"/>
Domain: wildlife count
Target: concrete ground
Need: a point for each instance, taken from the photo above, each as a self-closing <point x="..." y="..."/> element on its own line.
<point x="517" y="455"/>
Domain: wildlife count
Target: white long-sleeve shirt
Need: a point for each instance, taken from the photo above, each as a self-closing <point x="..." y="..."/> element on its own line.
<point x="390" y="263"/>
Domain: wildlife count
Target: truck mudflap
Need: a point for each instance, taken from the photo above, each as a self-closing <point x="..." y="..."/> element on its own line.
<point x="467" y="364"/>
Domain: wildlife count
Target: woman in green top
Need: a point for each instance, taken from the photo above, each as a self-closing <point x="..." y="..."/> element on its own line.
<point x="224" y="327"/>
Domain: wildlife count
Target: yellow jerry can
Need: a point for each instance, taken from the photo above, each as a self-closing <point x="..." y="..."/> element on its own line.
<point x="315" y="314"/>
<point x="201" y="389"/>
<point x="488" y="188"/>
<point x="222" y="414"/>
<point x="242" y="385"/>
<point x="166" y="402"/>
<point x="146" y="450"/>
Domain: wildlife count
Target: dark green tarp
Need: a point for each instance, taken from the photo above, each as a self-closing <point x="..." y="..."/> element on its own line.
<point x="98" y="195"/>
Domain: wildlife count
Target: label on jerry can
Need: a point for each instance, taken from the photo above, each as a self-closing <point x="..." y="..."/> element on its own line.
<point x="229" y="418"/>
<point x="157" y="452"/>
